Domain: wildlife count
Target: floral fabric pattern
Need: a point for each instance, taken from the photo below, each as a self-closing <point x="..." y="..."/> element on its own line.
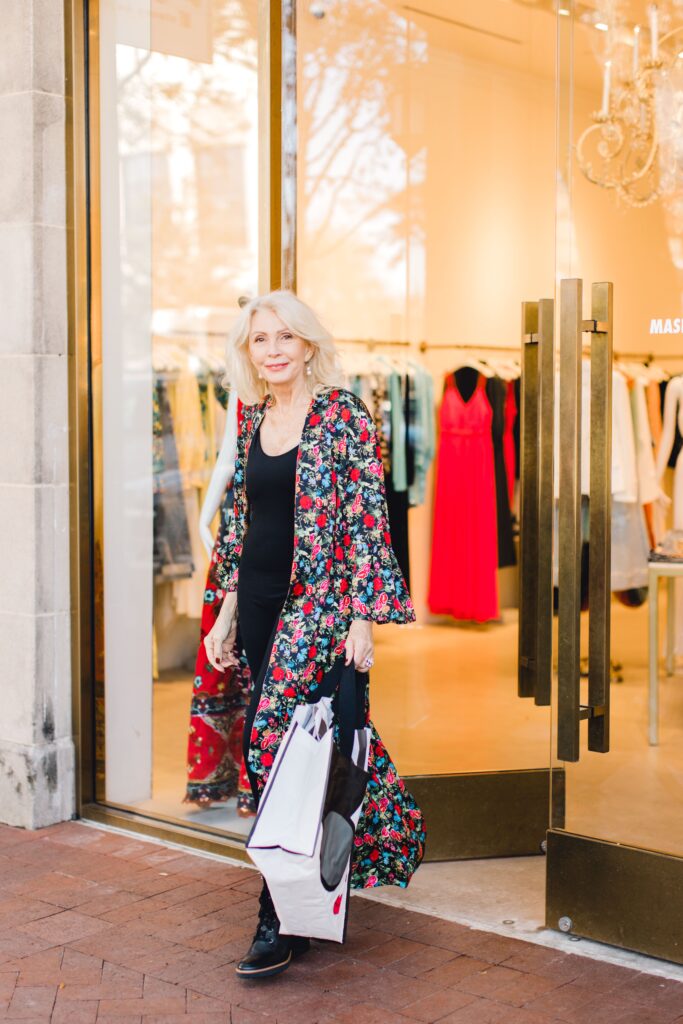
<point x="215" y="765"/>
<point x="343" y="568"/>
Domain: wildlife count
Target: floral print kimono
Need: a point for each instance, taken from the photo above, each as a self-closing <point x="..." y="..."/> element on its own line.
<point x="343" y="568"/>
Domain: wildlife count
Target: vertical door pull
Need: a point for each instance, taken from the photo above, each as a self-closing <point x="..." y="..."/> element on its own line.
<point x="570" y="709"/>
<point x="546" y="500"/>
<point x="569" y="526"/>
<point x="599" y="572"/>
<point x="536" y="502"/>
<point x="528" y="505"/>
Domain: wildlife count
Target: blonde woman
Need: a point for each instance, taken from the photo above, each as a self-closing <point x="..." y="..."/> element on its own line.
<point x="309" y="567"/>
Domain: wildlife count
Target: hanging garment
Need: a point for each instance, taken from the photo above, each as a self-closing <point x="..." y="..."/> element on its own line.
<point x="172" y="551"/>
<point x="678" y="439"/>
<point x="215" y="766"/>
<point x="509" y="448"/>
<point x="409" y="412"/>
<point x="624" y="462"/>
<point x="496" y="392"/>
<point x="381" y="415"/>
<point x="463" y="577"/>
<point x="629" y="546"/>
<point x="624" y="469"/>
<point x="423" y="425"/>
<point x="398" y="434"/>
<point x="343" y="568"/>
<point x="388" y="426"/>
<point x="628" y="567"/>
<point x="397" y="507"/>
<point x="517" y="429"/>
<point x="654" y="412"/>
<point x="648" y="488"/>
<point x="207" y="413"/>
<point x="193" y="457"/>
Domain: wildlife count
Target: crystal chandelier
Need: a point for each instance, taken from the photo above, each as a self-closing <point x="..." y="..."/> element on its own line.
<point x="633" y="144"/>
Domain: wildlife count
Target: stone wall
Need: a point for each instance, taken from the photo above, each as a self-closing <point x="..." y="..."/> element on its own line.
<point x="36" y="745"/>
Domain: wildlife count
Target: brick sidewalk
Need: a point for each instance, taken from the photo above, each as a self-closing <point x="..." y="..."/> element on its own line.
<point x="97" y="927"/>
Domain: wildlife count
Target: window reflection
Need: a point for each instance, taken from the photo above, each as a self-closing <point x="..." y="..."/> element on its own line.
<point x="179" y="145"/>
<point x="414" y="192"/>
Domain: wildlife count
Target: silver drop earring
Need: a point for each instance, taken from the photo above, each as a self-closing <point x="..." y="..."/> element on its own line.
<point x="308" y="367"/>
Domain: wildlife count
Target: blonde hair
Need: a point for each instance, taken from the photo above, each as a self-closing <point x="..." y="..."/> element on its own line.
<point x="326" y="371"/>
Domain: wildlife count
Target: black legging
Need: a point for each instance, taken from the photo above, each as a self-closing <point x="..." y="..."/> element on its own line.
<point x="259" y="604"/>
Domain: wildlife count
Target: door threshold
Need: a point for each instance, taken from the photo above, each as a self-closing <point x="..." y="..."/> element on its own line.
<point x="179" y="836"/>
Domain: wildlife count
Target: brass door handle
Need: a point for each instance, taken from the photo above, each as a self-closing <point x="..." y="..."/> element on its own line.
<point x="528" y="505"/>
<point x="599" y="572"/>
<point x="570" y="709"/>
<point x="536" y="502"/>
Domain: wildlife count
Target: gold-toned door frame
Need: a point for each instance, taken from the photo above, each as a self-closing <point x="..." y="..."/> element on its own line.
<point x="458" y="826"/>
<point x="78" y="297"/>
<point x="277" y="261"/>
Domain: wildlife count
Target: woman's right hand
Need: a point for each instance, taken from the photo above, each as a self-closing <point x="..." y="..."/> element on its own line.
<point x="219" y="642"/>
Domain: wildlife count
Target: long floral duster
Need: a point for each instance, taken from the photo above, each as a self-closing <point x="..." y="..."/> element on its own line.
<point x="343" y="568"/>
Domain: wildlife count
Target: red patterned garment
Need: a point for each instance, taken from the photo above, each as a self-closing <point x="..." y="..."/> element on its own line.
<point x="215" y="765"/>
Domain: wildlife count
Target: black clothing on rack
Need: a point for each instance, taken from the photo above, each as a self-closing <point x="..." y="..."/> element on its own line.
<point x="397" y="507"/>
<point x="678" y="440"/>
<point x="466" y="379"/>
<point x="496" y="392"/>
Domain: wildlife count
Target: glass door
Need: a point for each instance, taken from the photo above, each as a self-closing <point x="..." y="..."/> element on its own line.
<point x="615" y="859"/>
<point x="175" y="243"/>
<point x="426" y="141"/>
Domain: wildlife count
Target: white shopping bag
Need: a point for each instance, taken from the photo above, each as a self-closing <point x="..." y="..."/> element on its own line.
<point x="302" y="838"/>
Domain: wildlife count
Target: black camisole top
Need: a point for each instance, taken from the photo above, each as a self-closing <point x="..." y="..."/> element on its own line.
<point x="269" y="539"/>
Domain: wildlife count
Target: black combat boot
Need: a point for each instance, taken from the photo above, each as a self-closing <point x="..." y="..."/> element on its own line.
<point x="270" y="952"/>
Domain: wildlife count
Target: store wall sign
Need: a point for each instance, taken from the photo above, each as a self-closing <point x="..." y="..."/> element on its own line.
<point x="673" y="325"/>
<point x="181" y="28"/>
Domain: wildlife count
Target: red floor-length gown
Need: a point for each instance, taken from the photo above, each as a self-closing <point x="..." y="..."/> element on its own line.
<point x="463" y="578"/>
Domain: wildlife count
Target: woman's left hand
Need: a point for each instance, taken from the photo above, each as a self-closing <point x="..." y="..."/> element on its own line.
<point x="359" y="646"/>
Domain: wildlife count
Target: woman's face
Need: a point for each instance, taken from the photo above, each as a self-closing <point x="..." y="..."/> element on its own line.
<point x="277" y="353"/>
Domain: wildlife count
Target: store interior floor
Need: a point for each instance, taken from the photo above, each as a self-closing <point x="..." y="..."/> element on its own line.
<point x="444" y="700"/>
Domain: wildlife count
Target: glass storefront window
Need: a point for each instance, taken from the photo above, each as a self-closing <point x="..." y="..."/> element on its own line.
<point x="178" y="129"/>
<point x="416" y="177"/>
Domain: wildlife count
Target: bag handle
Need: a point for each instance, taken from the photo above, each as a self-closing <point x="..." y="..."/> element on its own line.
<point x="351" y="703"/>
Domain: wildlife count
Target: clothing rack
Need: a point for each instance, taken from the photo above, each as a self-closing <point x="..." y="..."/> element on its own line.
<point x="177" y="333"/>
<point x="648" y="357"/>
<point x="372" y="342"/>
<point x="426" y="345"/>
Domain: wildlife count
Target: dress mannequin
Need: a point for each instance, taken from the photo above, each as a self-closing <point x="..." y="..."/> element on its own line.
<point x="215" y="762"/>
<point x="222" y="475"/>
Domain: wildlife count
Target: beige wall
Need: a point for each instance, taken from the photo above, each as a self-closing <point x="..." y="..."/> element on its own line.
<point x="467" y="149"/>
<point x="36" y="747"/>
<point x="438" y="217"/>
